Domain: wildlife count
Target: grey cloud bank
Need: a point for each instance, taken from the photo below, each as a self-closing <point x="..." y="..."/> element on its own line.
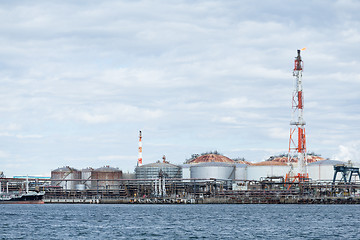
<point x="80" y="78"/>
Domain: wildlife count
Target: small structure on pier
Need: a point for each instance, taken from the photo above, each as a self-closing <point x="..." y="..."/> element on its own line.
<point x="347" y="172"/>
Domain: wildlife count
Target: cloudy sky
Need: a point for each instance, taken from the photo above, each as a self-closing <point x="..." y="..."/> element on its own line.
<point x="79" y="79"/>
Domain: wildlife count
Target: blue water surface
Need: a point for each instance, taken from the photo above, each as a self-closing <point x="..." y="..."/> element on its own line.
<point x="65" y="221"/>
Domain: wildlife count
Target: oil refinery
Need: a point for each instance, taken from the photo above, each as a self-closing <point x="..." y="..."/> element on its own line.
<point x="295" y="177"/>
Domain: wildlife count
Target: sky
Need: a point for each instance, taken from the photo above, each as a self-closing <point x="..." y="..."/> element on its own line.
<point x="79" y="79"/>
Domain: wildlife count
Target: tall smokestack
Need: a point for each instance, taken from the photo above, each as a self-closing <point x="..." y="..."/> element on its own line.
<point x="140" y="150"/>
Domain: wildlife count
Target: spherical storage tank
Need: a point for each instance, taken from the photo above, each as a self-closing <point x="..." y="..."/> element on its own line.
<point x="106" y="177"/>
<point x="155" y="170"/>
<point x="63" y="176"/>
<point x="323" y="170"/>
<point x="217" y="170"/>
<point x="261" y="170"/>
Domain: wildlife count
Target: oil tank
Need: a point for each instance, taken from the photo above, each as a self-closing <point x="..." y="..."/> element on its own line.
<point x="105" y="177"/>
<point x="154" y="170"/>
<point x="65" y="177"/>
<point x="85" y="177"/>
<point x="217" y="170"/>
<point x="261" y="170"/>
<point x="186" y="170"/>
<point x="240" y="171"/>
<point x="323" y="170"/>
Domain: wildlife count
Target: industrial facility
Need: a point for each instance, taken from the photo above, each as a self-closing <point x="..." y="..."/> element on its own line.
<point x="294" y="177"/>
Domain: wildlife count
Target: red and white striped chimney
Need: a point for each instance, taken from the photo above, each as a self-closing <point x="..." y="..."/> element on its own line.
<point x="140" y="150"/>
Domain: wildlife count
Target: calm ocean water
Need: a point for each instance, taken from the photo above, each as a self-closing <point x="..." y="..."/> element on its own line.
<point x="180" y="221"/>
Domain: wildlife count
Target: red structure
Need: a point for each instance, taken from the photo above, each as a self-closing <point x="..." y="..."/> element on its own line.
<point x="297" y="141"/>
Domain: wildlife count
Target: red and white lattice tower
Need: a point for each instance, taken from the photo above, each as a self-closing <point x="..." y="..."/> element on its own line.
<point x="139" y="163"/>
<point x="297" y="141"/>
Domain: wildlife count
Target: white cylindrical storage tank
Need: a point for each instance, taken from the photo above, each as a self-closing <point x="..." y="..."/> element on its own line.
<point x="86" y="176"/>
<point x="323" y="170"/>
<point x="262" y="170"/>
<point x="240" y="171"/>
<point x="216" y="170"/>
<point x="186" y="171"/>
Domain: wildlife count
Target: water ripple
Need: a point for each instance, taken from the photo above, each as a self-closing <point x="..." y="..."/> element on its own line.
<point x="179" y="221"/>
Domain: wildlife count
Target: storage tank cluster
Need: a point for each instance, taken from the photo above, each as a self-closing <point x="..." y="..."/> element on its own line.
<point x="70" y="178"/>
<point x="208" y="166"/>
<point x="215" y="166"/>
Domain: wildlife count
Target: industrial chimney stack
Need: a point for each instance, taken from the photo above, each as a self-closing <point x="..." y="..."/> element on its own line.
<point x="140" y="150"/>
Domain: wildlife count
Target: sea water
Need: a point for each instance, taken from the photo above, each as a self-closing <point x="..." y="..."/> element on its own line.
<point x="227" y="221"/>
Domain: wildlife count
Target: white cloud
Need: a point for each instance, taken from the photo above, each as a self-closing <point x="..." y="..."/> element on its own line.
<point x="28" y="136"/>
<point x="108" y="113"/>
<point x="279" y="133"/>
<point x="348" y="151"/>
<point x="3" y="154"/>
<point x="117" y="157"/>
<point x="195" y="74"/>
<point x="10" y="127"/>
<point x="242" y="102"/>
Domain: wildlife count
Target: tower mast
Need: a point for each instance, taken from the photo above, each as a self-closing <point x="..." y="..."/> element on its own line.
<point x="297" y="141"/>
<point x="139" y="163"/>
